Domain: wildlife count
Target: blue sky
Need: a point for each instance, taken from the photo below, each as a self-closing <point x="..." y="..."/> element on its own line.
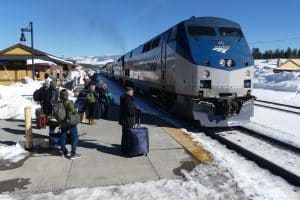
<point x="99" y="27"/>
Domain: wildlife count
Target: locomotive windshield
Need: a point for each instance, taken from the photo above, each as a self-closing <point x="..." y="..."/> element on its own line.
<point x="201" y="31"/>
<point x="230" y="32"/>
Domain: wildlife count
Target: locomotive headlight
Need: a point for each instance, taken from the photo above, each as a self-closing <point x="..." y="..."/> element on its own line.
<point x="206" y="74"/>
<point x="222" y="62"/>
<point x="229" y="63"/>
<point x="248" y="72"/>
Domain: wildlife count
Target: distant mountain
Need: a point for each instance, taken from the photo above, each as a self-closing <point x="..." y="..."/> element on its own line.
<point x="94" y="60"/>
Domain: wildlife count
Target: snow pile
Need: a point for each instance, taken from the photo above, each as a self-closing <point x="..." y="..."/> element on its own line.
<point x="13" y="153"/>
<point x="255" y="182"/>
<point x="281" y="87"/>
<point x="13" y="101"/>
<point x="265" y="78"/>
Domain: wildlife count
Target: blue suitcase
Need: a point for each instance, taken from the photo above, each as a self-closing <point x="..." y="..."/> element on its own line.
<point x="135" y="141"/>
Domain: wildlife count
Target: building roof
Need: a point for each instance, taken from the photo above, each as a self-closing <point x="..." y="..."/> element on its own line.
<point x="289" y="65"/>
<point x="23" y="52"/>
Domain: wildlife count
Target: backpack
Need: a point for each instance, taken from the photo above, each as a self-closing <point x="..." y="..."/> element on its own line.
<point x="59" y="111"/>
<point x="38" y="94"/>
<point x="110" y="98"/>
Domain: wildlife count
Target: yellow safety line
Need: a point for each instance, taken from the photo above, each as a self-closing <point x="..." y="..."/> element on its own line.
<point x="193" y="147"/>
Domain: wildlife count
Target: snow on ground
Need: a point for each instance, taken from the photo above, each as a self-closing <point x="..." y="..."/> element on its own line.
<point x="256" y="182"/>
<point x="13" y="102"/>
<point x="278" y="87"/>
<point x="289" y="98"/>
<point x="13" y="153"/>
<point x="277" y="121"/>
<point x="13" y="99"/>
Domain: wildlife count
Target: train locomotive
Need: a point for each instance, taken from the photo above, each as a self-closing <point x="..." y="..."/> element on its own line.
<point x="202" y="68"/>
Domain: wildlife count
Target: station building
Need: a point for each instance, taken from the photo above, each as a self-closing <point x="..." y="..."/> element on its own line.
<point x="16" y="64"/>
<point x="288" y="66"/>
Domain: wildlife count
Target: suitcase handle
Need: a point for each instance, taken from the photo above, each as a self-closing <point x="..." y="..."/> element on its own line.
<point x="137" y="124"/>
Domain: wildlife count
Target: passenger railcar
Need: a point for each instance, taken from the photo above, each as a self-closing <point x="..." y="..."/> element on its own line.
<point x="202" y="67"/>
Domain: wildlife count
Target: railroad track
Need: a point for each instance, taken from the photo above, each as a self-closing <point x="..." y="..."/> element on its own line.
<point x="278" y="106"/>
<point x="279" y="158"/>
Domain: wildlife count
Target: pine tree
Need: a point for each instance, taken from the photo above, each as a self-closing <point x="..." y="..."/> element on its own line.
<point x="294" y="53"/>
<point x="281" y="54"/>
<point x="299" y="53"/>
<point x="277" y="53"/>
<point x="288" y="52"/>
<point x="256" y="53"/>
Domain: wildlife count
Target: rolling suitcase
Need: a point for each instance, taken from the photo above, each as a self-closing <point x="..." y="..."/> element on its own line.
<point x="136" y="140"/>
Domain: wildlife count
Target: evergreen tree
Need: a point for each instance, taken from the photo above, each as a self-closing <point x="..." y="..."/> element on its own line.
<point x="256" y="53"/>
<point x="299" y="53"/>
<point x="294" y="53"/>
<point x="277" y="53"/>
<point x="288" y="52"/>
<point x="281" y="54"/>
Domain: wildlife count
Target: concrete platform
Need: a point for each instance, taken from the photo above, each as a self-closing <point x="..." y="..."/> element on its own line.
<point x="102" y="163"/>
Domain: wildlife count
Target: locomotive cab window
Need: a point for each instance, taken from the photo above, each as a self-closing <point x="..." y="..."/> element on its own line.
<point x="230" y="32"/>
<point x="201" y="31"/>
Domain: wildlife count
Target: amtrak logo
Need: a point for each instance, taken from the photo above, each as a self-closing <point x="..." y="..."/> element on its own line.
<point x="221" y="46"/>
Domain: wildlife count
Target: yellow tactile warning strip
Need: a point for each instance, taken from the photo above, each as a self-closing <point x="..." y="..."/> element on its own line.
<point x="189" y="144"/>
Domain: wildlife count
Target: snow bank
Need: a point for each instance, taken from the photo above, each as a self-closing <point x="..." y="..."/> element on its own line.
<point x="13" y="153"/>
<point x="13" y="101"/>
<point x="265" y="78"/>
<point x="281" y="87"/>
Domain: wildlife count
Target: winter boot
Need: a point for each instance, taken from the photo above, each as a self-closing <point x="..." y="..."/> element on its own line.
<point x="92" y="122"/>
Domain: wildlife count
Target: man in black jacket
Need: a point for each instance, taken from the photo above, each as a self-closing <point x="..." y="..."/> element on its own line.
<point x="128" y="114"/>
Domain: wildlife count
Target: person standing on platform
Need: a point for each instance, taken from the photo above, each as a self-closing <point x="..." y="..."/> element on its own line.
<point x="69" y="127"/>
<point x="92" y="101"/>
<point x="128" y="112"/>
<point x="105" y="98"/>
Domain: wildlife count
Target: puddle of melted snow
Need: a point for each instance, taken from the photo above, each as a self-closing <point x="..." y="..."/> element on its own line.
<point x="13" y="185"/>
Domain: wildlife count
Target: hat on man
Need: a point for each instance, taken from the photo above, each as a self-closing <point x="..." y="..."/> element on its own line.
<point x="127" y="89"/>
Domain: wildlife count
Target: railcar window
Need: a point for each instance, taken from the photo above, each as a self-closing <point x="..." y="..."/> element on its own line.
<point x="230" y="32"/>
<point x="172" y="34"/>
<point x="147" y="47"/>
<point x="155" y="43"/>
<point x="201" y="31"/>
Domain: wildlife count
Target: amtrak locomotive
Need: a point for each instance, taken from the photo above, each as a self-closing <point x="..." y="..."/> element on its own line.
<point x="202" y="68"/>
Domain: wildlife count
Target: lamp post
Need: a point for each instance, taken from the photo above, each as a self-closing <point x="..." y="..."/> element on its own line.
<point x="23" y="39"/>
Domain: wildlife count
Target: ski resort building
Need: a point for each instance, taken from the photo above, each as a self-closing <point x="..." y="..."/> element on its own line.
<point x="289" y="65"/>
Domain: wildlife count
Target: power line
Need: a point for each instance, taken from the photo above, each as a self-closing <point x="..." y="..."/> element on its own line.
<point x="272" y="41"/>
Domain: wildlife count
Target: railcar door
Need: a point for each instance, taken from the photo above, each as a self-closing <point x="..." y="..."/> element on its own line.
<point x="163" y="63"/>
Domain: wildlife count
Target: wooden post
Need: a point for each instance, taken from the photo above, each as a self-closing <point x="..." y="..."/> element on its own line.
<point x="28" y="129"/>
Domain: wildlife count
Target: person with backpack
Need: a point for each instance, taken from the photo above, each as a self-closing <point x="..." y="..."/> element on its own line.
<point x="68" y="124"/>
<point x="92" y="101"/>
<point x="105" y="98"/>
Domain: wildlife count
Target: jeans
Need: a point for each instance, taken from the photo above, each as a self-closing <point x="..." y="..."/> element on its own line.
<point x="74" y="138"/>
